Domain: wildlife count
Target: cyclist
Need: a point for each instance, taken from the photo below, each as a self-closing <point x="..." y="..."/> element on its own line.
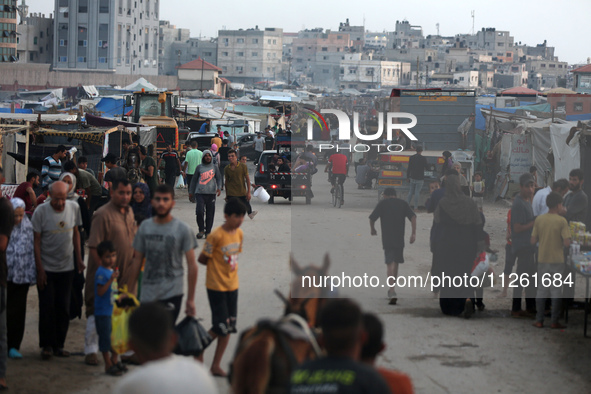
<point x="337" y="170"/>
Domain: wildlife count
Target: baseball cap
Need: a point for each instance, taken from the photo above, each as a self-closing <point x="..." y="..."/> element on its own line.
<point x="526" y="179"/>
<point x="109" y="158"/>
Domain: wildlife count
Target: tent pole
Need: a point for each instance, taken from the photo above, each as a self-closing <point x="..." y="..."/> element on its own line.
<point x="27" y="146"/>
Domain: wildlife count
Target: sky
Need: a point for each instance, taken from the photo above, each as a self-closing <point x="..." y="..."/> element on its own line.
<point x="564" y="24"/>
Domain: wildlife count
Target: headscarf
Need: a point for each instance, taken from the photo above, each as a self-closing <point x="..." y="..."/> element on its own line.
<point x="71" y="192"/>
<point x="214" y="147"/>
<point x="461" y="208"/>
<point x="142" y="210"/>
<point x="17" y="203"/>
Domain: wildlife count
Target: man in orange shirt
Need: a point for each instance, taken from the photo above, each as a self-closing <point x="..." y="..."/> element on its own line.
<point x="398" y="382"/>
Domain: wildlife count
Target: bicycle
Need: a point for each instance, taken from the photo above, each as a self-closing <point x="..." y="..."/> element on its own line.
<point x="338" y="194"/>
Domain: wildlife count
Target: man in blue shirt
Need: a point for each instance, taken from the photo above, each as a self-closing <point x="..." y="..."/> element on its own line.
<point x="204" y="129"/>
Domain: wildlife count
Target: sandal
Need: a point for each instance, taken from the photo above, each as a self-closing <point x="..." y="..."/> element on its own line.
<point x="114" y="371"/>
<point x="91" y="359"/>
<point x="557" y="326"/>
<point x="61" y="353"/>
<point x="46" y="353"/>
<point x="538" y="324"/>
<point x="121" y="367"/>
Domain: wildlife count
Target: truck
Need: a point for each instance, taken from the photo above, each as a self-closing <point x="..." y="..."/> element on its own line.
<point x="155" y="109"/>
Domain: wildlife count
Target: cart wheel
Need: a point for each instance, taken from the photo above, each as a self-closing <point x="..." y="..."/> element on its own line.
<point x="271" y="200"/>
<point x="308" y="199"/>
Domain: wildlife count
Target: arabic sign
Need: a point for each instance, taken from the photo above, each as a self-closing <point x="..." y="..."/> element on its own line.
<point x="521" y="158"/>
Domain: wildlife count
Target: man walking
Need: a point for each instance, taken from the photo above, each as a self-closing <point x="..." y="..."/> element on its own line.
<point x="576" y="201"/>
<point x="6" y="225"/>
<point x="192" y="160"/>
<point x="163" y="240"/>
<point x="26" y="191"/>
<point x="205" y="186"/>
<point x="57" y="253"/>
<point x="259" y="145"/>
<point x="172" y="165"/>
<point x="238" y="182"/>
<point x="52" y="166"/>
<point x="115" y="172"/>
<point x="112" y="222"/>
<point x="417" y="165"/>
<point x="392" y="211"/>
<point x="522" y="224"/>
<point x="148" y="170"/>
<point x="539" y="205"/>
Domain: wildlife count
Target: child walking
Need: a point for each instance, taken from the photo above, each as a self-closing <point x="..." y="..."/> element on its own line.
<point x="105" y="287"/>
<point x="553" y="234"/>
<point x="220" y="255"/>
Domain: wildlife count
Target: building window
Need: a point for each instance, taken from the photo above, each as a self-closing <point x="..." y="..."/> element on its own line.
<point x="543" y="65"/>
<point x="35" y="40"/>
<point x="240" y="41"/>
<point x="82" y="43"/>
<point x="269" y="41"/>
<point x="274" y="42"/>
<point x="255" y="54"/>
<point x="224" y="53"/>
<point x="104" y="6"/>
<point x="461" y="78"/>
<point x="83" y="6"/>
<point x="240" y="54"/>
<point x="300" y="48"/>
<point x="325" y="71"/>
<point x="102" y="60"/>
<point x="578" y="107"/>
<point x="255" y="41"/>
<point x="253" y="68"/>
<point x="352" y="70"/>
<point x="32" y="56"/>
<point x="63" y="59"/>
<point x="63" y="43"/>
<point x="81" y="59"/>
<point x="239" y="69"/>
<point x="207" y="53"/>
<point x="552" y="65"/>
<point x="324" y="49"/>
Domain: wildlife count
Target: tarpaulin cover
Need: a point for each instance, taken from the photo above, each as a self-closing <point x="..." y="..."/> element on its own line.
<point x="480" y="122"/>
<point x="111" y="107"/>
<point x="542" y="143"/>
<point x="566" y="157"/>
<point x="16" y="111"/>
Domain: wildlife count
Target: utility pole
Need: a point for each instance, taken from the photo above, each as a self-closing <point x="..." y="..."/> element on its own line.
<point x="472" y="22"/>
<point x="418" y="72"/>
<point x="202" y="65"/>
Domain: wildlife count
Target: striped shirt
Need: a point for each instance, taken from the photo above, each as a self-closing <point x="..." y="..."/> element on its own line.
<point x="51" y="170"/>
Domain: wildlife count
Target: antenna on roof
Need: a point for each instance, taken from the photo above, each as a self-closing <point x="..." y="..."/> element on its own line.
<point x="437" y="25"/>
<point x="472" y="22"/>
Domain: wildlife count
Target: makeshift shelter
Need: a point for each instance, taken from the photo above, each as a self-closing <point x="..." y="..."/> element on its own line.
<point x="558" y="91"/>
<point x="140" y="84"/>
<point x="112" y="107"/>
<point x="519" y="91"/>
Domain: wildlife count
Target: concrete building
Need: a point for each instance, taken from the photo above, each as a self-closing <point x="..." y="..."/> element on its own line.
<point x="546" y="74"/>
<point x="201" y="75"/>
<point x="311" y="43"/>
<point x="35" y="39"/>
<point x="251" y="55"/>
<point x="582" y="76"/>
<point x="118" y="36"/>
<point x="8" y="44"/>
<point x="406" y="36"/>
<point x="184" y="52"/>
<point x="486" y="78"/>
<point x="506" y="81"/>
<point x="373" y="74"/>
<point x="168" y="57"/>
<point x="377" y="40"/>
<point x="570" y="104"/>
<point x="466" y="79"/>
<point x="356" y="35"/>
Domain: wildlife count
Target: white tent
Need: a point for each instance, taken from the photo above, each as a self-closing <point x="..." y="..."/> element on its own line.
<point x="140" y="84"/>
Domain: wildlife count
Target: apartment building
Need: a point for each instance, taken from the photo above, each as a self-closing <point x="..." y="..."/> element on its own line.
<point x="118" y="36"/>
<point x="35" y="38"/>
<point x="8" y="42"/>
<point x="251" y="55"/>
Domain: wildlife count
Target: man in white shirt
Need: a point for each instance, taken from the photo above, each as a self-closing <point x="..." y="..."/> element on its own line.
<point x="152" y="338"/>
<point x="539" y="202"/>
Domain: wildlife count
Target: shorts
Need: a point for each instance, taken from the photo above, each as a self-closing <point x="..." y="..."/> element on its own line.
<point x="224" y="308"/>
<point x="479" y="202"/>
<point x="103" y="329"/>
<point x="509" y="260"/>
<point x="173" y="305"/>
<point x="394" y="255"/>
<point x="339" y="177"/>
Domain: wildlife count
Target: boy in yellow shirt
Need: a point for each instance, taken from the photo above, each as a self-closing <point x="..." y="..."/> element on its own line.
<point x="220" y="254"/>
<point x="553" y="234"/>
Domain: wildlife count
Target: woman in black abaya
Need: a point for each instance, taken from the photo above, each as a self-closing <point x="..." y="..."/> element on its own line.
<point x="455" y="247"/>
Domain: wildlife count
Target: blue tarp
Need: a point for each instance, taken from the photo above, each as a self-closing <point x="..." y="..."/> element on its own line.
<point x="112" y="107"/>
<point x="578" y="117"/>
<point x="16" y="111"/>
<point x="480" y="122"/>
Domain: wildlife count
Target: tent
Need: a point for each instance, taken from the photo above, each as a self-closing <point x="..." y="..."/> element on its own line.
<point x="519" y="91"/>
<point x="140" y="84"/>
<point x="112" y="107"/>
<point x="559" y="91"/>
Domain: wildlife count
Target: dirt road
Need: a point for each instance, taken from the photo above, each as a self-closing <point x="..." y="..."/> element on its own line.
<point x="490" y="353"/>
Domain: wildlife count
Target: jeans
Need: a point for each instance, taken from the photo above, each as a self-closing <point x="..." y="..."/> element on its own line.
<point x="414" y="190"/>
<point x="554" y="292"/>
<point x="54" y="310"/>
<point x="205" y="207"/>
<point x="223" y="165"/>
<point x="526" y="264"/>
<point x="16" y="312"/>
<point x="189" y="179"/>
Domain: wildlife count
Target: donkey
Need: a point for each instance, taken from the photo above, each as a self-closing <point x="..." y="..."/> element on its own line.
<point x="268" y="352"/>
